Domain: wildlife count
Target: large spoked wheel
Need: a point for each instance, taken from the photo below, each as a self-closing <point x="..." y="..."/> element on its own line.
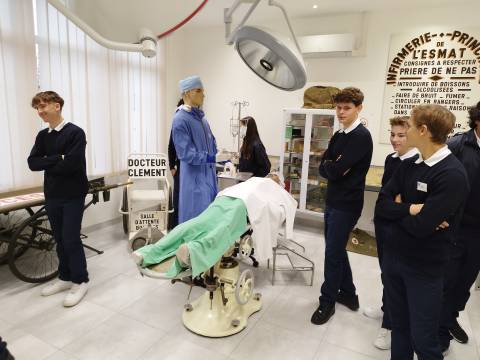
<point x="125" y="209"/>
<point x="244" y="287"/>
<point x="39" y="263"/>
<point x="8" y="225"/>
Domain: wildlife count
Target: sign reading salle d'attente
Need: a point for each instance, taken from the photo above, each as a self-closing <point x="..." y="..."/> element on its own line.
<point x="437" y="67"/>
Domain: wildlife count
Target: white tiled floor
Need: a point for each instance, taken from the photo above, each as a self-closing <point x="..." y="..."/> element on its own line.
<point x="126" y="316"/>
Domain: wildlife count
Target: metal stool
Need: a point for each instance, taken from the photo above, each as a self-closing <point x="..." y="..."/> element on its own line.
<point x="284" y="248"/>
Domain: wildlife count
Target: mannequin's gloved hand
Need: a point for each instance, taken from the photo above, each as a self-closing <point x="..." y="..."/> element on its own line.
<point x="210" y="159"/>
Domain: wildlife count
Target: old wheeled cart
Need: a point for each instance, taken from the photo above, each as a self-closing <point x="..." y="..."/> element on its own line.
<point x="27" y="244"/>
<point x="148" y="201"/>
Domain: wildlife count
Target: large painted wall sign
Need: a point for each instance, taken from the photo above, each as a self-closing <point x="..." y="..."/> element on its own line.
<point x="437" y="67"/>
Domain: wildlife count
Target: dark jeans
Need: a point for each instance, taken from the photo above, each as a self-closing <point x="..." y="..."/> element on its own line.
<point x="460" y="275"/>
<point x="65" y="216"/>
<point x="337" y="271"/>
<point x="176" y="193"/>
<point x="382" y="233"/>
<point x="414" y="298"/>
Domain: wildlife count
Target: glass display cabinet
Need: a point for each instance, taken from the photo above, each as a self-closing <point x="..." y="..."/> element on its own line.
<point x="306" y="137"/>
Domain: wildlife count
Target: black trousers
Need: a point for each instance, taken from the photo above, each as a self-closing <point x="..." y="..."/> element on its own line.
<point x="65" y="216"/>
<point x="173" y="218"/>
<point x="461" y="273"/>
<point x="414" y="298"/>
<point x="382" y="234"/>
<point x="337" y="271"/>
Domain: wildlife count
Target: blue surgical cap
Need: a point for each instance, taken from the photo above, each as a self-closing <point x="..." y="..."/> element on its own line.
<point x="189" y="83"/>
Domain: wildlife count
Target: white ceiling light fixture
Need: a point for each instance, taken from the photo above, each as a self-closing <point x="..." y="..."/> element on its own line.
<point x="274" y="58"/>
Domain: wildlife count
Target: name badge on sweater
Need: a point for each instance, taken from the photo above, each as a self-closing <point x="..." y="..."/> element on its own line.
<point x="421" y="186"/>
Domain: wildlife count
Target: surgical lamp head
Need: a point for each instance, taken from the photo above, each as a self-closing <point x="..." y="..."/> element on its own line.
<point x="275" y="59"/>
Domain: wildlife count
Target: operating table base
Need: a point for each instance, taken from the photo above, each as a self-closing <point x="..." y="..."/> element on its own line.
<point x="211" y="318"/>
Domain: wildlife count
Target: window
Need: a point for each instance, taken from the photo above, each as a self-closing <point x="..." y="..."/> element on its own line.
<point x="114" y="96"/>
<point x="18" y="123"/>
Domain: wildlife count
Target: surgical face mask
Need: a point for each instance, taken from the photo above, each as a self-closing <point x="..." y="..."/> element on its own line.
<point x="243" y="131"/>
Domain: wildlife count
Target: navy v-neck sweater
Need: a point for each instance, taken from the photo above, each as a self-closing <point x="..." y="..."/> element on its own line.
<point x="63" y="178"/>
<point x="443" y="189"/>
<point x="345" y="165"/>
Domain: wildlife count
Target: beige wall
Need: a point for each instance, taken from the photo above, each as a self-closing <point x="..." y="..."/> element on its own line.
<point x="203" y="51"/>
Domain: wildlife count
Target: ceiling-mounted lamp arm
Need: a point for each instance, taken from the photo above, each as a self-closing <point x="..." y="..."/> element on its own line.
<point x="280" y="6"/>
<point x="146" y="46"/>
<point x="227" y="18"/>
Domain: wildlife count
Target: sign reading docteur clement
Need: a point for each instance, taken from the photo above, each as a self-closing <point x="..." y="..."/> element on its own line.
<point x="437" y="67"/>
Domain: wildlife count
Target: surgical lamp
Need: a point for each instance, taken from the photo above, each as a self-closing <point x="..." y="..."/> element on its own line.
<point x="274" y="58"/>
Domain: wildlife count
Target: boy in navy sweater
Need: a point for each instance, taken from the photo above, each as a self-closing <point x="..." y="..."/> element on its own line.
<point x="345" y="165"/>
<point x="398" y="139"/>
<point x="465" y="264"/>
<point x="423" y="203"/>
<point x="59" y="151"/>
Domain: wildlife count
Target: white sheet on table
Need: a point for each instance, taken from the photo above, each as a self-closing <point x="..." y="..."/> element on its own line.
<point x="268" y="207"/>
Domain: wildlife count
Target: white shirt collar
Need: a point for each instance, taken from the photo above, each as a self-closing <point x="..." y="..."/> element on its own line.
<point x="59" y="126"/>
<point x="478" y="138"/>
<point x="352" y="127"/>
<point x="410" y="153"/>
<point x="438" y="156"/>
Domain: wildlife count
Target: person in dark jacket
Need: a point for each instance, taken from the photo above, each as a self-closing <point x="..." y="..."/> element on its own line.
<point x="59" y="151"/>
<point x="174" y="163"/>
<point x="423" y="202"/>
<point x="344" y="164"/>
<point x="253" y="157"/>
<point x="465" y="264"/>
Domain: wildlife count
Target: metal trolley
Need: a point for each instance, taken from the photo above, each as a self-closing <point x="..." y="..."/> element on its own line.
<point x="27" y="244"/>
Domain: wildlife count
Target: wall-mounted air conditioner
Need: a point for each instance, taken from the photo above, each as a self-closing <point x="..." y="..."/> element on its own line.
<point x="331" y="45"/>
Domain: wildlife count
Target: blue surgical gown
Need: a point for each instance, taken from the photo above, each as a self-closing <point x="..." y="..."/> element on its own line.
<point x="193" y="141"/>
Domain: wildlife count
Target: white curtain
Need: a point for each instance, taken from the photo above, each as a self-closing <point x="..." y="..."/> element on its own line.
<point x="18" y="122"/>
<point x="114" y="96"/>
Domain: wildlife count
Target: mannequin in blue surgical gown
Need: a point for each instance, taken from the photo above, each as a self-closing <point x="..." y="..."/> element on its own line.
<point x="196" y="148"/>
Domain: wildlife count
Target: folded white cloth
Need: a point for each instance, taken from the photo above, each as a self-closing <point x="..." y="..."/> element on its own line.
<point x="268" y="207"/>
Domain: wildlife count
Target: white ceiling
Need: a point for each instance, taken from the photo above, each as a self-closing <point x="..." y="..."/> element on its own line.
<point x="118" y="19"/>
<point x="213" y="11"/>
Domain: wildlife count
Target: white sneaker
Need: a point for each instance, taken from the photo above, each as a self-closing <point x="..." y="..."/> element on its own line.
<point x="383" y="340"/>
<point x="56" y="287"/>
<point x="76" y="293"/>
<point x="373" y="313"/>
